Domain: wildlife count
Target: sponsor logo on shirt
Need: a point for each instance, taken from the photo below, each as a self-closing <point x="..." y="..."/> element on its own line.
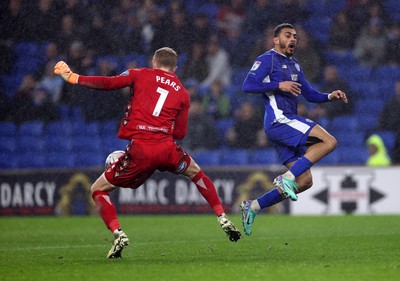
<point x="181" y="168"/>
<point x="256" y="65"/>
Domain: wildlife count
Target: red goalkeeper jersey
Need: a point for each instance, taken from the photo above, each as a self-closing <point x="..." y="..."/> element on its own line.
<point x="158" y="107"/>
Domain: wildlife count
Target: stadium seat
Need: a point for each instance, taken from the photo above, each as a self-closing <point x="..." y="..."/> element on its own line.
<point x="389" y="138"/>
<point x="8" y="143"/>
<point x="234" y="157"/>
<point x="350" y="139"/>
<point x="31" y="129"/>
<point x="60" y="128"/>
<point x="347" y="123"/>
<point x="330" y="159"/>
<point x="112" y="143"/>
<point x="60" y="159"/>
<point x="86" y="143"/>
<point x="89" y="159"/>
<point x="8" y="160"/>
<point x="57" y="143"/>
<point x="7" y="129"/>
<point x="264" y="157"/>
<point x="31" y="159"/>
<point x="207" y="157"/>
<point x="352" y="155"/>
<point x="30" y="143"/>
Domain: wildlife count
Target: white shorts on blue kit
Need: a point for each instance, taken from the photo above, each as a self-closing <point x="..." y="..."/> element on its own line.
<point x="289" y="136"/>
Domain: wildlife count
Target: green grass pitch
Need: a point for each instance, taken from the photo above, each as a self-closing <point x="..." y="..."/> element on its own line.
<point x="193" y="247"/>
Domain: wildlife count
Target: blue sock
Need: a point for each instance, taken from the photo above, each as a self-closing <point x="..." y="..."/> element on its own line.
<point x="301" y="165"/>
<point x="270" y="198"/>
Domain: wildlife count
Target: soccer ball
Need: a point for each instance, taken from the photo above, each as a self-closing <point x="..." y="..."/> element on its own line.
<point x="113" y="157"/>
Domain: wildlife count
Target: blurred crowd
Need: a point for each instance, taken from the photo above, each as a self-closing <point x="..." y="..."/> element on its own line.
<point x="217" y="40"/>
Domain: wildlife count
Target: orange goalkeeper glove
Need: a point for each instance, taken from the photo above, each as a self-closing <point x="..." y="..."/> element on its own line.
<point x="61" y="68"/>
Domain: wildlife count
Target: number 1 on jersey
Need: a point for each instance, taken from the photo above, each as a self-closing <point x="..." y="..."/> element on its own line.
<point x="163" y="96"/>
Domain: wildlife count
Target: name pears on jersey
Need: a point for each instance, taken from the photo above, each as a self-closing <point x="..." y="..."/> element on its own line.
<point x="168" y="82"/>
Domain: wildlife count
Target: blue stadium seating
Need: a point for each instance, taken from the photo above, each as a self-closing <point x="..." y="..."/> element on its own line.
<point x="234" y="157"/>
<point x="7" y="129"/>
<point x="207" y="157"/>
<point x="30" y="143"/>
<point x="352" y="155"/>
<point x="89" y="158"/>
<point x="8" y="160"/>
<point x="30" y="129"/>
<point x="86" y="143"/>
<point x="389" y="139"/>
<point x="60" y="128"/>
<point x="54" y="143"/>
<point x="263" y="157"/>
<point x="60" y="159"/>
<point x="31" y="159"/>
<point x="8" y="143"/>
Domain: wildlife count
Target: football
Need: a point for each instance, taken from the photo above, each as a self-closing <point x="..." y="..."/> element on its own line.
<point x="113" y="157"/>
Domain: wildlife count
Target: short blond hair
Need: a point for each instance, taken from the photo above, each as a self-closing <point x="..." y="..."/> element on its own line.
<point x="166" y="57"/>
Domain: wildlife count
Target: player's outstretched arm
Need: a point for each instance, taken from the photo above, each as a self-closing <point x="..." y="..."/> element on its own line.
<point x="61" y="68"/>
<point x="338" y="95"/>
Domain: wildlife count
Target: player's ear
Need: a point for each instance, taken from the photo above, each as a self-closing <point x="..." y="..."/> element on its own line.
<point x="153" y="63"/>
<point x="276" y="40"/>
<point x="175" y="68"/>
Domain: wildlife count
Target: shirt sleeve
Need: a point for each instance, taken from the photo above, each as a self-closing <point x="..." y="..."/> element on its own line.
<point x="181" y="121"/>
<point x="309" y="93"/>
<point x="125" y="79"/>
<point x="257" y="80"/>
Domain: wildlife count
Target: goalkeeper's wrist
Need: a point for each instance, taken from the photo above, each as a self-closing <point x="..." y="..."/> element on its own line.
<point x="73" y="78"/>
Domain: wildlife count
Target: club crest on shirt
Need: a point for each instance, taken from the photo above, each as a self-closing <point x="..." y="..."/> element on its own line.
<point x="256" y="65"/>
<point x="297" y="66"/>
<point x="294" y="77"/>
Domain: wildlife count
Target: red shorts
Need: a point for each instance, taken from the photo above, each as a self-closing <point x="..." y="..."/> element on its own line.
<point x="143" y="158"/>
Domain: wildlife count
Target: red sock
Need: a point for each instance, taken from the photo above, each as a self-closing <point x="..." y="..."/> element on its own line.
<point x="207" y="189"/>
<point x="106" y="209"/>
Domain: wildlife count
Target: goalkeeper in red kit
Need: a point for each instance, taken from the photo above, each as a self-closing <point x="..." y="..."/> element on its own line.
<point x="156" y="114"/>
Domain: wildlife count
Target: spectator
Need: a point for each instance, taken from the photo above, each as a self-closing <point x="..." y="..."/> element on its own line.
<point x="216" y="102"/>
<point x="378" y="155"/>
<point x="194" y="67"/>
<point x="389" y="119"/>
<point x="393" y="45"/>
<point x="131" y="38"/>
<point x="201" y="131"/>
<point x="341" y="35"/>
<point x="99" y="43"/>
<point x="177" y="34"/>
<point x="329" y="110"/>
<point x="66" y="34"/>
<point x="230" y="17"/>
<point x="43" y="20"/>
<point x="308" y="55"/>
<point x="218" y="64"/>
<point x="247" y="131"/>
<point x="370" y="46"/>
<point x="236" y="45"/>
<point x="262" y="44"/>
<point x="21" y="101"/>
<point x="259" y="14"/>
<point x="201" y="29"/>
<point x="41" y="107"/>
<point x="111" y="102"/>
<point x="292" y="11"/>
<point x="50" y="54"/>
<point x="13" y="22"/>
<point x="4" y="106"/>
<point x="51" y="83"/>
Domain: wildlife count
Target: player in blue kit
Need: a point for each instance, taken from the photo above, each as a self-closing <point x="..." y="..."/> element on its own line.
<point x="299" y="142"/>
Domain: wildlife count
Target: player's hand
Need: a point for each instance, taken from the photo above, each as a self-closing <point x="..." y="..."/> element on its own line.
<point x="61" y="68"/>
<point x="290" y="87"/>
<point x="338" y="95"/>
